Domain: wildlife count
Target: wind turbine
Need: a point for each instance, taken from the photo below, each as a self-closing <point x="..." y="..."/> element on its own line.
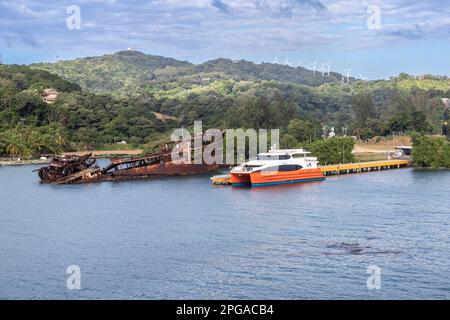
<point x="323" y="70"/>
<point x="314" y="66"/>
<point x="289" y="63"/>
<point x="328" y="67"/>
<point x="347" y="71"/>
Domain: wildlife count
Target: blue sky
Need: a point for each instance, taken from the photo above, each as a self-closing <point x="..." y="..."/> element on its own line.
<point x="412" y="37"/>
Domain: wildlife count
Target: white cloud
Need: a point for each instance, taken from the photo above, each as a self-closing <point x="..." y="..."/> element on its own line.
<point x="215" y="26"/>
<point x="20" y="7"/>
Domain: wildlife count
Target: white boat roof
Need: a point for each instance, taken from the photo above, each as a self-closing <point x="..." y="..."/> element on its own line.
<point x="286" y="151"/>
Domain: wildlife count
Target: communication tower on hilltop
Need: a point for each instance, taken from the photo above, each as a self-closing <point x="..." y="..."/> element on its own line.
<point x="133" y="49"/>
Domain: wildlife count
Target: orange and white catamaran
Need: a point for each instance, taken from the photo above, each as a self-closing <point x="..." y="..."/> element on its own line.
<point x="278" y="167"/>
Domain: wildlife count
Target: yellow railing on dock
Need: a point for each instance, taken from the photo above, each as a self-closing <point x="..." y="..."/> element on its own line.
<point x="363" y="166"/>
<point x="338" y="169"/>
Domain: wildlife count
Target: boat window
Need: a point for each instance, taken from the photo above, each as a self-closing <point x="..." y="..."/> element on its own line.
<point x="274" y="157"/>
<point x="284" y="168"/>
<point x="299" y="155"/>
<point x="290" y="167"/>
<point x="248" y="167"/>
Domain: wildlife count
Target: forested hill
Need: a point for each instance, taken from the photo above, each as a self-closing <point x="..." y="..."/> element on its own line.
<point x="33" y="123"/>
<point x="246" y="70"/>
<point x="14" y="78"/>
<point x="128" y="73"/>
<point x="124" y="72"/>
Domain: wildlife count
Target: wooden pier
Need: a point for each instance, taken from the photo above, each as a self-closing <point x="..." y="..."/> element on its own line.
<point x="339" y="169"/>
<point x="363" y="167"/>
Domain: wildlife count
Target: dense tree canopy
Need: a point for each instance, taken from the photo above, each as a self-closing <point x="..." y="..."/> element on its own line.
<point x="431" y="151"/>
<point x="141" y="99"/>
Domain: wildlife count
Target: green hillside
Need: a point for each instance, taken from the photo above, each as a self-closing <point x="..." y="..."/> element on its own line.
<point x="30" y="126"/>
<point x="425" y="84"/>
<point x="123" y="72"/>
<point x="130" y="72"/>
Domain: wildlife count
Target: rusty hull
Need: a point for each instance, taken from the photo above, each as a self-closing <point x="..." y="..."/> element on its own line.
<point x="64" y="169"/>
<point x="164" y="169"/>
<point x="84" y="169"/>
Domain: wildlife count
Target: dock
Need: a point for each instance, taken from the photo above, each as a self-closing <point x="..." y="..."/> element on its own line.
<point x="360" y="167"/>
<point x="221" y="180"/>
<point x="338" y="169"/>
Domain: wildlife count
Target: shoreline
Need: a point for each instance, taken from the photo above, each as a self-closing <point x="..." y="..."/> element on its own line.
<point x="96" y="153"/>
<point x="105" y="153"/>
<point x="23" y="162"/>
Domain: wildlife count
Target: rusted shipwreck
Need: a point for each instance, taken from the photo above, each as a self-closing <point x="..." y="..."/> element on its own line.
<point x="62" y="170"/>
<point x="85" y="169"/>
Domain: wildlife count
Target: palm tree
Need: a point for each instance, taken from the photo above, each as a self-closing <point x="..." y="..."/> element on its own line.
<point x="40" y="143"/>
<point x="14" y="144"/>
<point x="2" y="144"/>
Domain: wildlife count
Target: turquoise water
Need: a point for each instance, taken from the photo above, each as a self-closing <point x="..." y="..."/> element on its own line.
<point x="183" y="238"/>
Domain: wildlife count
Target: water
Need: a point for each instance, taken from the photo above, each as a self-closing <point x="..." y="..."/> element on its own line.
<point x="183" y="238"/>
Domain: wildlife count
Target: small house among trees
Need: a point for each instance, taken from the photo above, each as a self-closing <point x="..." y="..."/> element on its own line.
<point x="49" y="95"/>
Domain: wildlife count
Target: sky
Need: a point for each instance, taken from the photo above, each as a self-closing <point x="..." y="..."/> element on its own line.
<point x="370" y="39"/>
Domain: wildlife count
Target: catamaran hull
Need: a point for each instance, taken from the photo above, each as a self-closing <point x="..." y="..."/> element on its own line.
<point x="259" y="179"/>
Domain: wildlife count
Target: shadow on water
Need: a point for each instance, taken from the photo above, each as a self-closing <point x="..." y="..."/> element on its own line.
<point x="355" y="248"/>
<point x="279" y="188"/>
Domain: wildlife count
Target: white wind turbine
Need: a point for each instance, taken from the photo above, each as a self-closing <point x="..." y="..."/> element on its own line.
<point x="347" y="72"/>
<point x="325" y="68"/>
<point x="314" y="67"/>
<point x="328" y="67"/>
<point x="322" y="69"/>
